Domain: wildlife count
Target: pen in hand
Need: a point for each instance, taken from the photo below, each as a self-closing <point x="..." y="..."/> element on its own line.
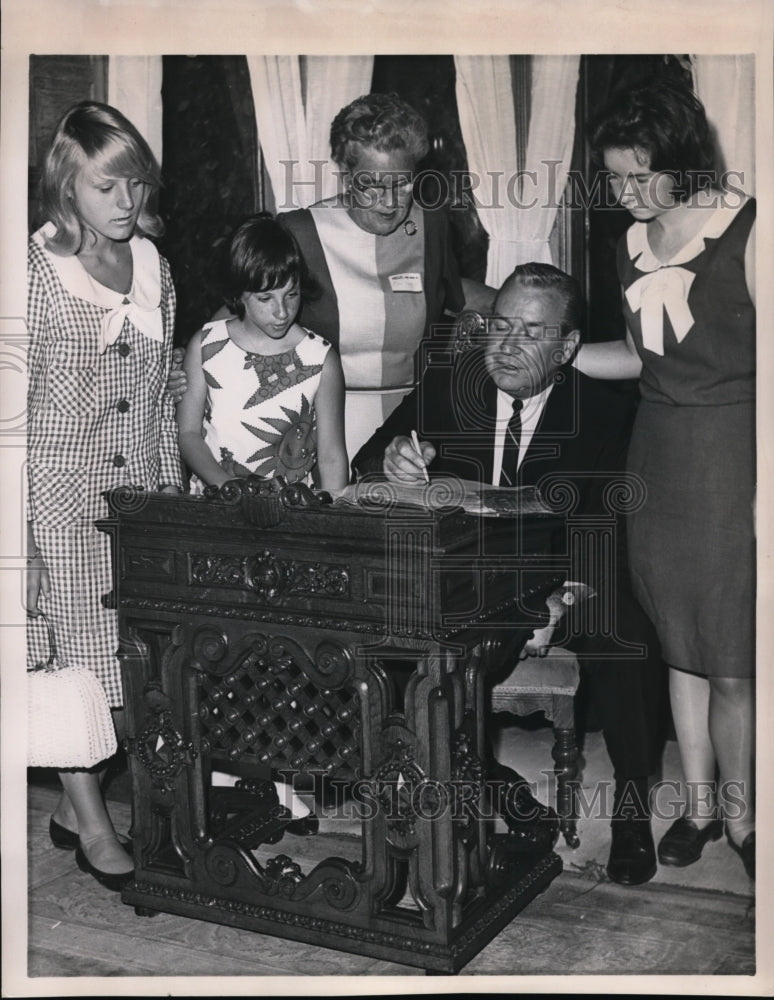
<point x="415" y="442"/>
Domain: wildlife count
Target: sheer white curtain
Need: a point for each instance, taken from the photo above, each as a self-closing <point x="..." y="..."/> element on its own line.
<point x="726" y="87"/>
<point x="549" y="151"/>
<point x="293" y="134"/>
<point x="487" y="120"/>
<point x="134" y="87"/>
<point x="518" y="212"/>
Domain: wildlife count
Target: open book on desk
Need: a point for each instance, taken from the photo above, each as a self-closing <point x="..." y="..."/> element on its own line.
<point x="446" y="491"/>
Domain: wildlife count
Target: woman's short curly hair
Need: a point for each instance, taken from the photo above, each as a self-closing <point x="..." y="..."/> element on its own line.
<point x="666" y="121"/>
<point x="99" y="136"/>
<point x="379" y="121"/>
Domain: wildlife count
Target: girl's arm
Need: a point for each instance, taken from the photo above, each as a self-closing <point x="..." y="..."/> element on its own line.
<point x="38" y="580"/>
<point x="613" y="359"/>
<point x="190" y="418"/>
<point x="332" y="461"/>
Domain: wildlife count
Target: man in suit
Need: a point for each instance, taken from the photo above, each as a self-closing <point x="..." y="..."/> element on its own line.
<point x="512" y="411"/>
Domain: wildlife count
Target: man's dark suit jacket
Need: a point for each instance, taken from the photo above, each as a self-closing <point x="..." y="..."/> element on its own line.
<point x="581" y="439"/>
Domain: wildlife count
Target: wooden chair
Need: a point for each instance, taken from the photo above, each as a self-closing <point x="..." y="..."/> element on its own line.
<point x="548" y="684"/>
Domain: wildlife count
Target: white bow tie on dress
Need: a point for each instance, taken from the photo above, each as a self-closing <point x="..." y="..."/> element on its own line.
<point x="665" y="289"/>
<point x="145" y="316"/>
<point x="141" y="305"/>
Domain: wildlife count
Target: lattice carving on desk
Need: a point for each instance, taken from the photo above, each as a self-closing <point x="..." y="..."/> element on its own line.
<point x="267" y="707"/>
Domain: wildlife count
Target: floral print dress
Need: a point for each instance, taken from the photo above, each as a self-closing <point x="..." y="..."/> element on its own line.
<point x="259" y="417"/>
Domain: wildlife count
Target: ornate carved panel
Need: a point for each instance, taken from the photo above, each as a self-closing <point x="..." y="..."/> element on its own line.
<point x="271" y="578"/>
<point x="277" y="705"/>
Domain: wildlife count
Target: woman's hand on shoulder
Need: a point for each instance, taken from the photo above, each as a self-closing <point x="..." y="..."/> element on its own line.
<point x="177" y="382"/>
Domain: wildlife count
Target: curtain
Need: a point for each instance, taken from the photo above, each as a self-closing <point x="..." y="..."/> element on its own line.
<point x="295" y="99"/>
<point x="134" y="87"/>
<point x="726" y="87"/>
<point x="488" y="124"/>
<point x="549" y="151"/>
<point x="517" y="210"/>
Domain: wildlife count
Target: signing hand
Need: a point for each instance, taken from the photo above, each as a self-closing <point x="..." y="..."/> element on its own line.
<point x="401" y="462"/>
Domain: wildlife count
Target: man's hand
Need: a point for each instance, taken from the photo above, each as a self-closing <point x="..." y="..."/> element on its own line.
<point x="177" y="382"/>
<point x="539" y="643"/>
<point x="558" y="603"/>
<point x="401" y="462"/>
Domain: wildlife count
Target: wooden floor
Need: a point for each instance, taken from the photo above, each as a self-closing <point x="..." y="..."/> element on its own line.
<point x="581" y="925"/>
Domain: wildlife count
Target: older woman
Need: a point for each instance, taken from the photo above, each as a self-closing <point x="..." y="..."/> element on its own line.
<point x="384" y="265"/>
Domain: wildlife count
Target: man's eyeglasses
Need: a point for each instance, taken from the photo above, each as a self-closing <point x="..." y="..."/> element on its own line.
<point x="475" y="329"/>
<point x="503" y="326"/>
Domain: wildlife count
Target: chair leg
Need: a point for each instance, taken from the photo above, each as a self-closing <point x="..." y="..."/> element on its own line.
<point x="565" y="754"/>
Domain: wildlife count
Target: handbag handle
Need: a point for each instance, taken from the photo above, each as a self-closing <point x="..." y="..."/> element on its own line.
<point x="49" y="664"/>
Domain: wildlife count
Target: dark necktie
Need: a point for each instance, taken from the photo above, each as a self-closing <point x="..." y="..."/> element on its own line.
<point x="511" y="447"/>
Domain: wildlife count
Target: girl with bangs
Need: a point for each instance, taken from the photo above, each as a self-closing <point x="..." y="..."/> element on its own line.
<point x="101" y="309"/>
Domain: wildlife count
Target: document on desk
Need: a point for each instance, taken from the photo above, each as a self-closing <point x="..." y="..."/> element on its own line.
<point x="443" y="492"/>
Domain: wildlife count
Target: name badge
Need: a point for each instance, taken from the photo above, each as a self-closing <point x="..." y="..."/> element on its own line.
<point x="408" y="282"/>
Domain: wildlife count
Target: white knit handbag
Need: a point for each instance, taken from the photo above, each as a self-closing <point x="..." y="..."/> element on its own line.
<point x="69" y="723"/>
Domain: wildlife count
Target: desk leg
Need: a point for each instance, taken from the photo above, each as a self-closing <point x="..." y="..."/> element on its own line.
<point x="565" y="754"/>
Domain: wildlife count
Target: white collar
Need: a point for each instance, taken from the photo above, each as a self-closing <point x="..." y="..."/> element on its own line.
<point x="141" y="304"/>
<point x="645" y="260"/>
<point x="530" y="405"/>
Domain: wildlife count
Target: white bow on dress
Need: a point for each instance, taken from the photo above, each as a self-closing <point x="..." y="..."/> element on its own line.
<point x="663" y="290"/>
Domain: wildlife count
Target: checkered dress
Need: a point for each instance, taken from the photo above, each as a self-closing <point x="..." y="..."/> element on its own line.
<point x="97" y="419"/>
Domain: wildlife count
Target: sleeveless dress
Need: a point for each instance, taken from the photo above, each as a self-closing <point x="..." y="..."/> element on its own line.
<point x="692" y="546"/>
<point x="259" y="417"/>
<point x="377" y="298"/>
<point x="98" y="419"/>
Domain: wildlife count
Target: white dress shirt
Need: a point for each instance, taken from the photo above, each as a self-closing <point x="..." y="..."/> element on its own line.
<point x="531" y="411"/>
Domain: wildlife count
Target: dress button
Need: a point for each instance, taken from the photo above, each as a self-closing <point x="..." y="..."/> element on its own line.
<point x="122" y="405"/>
<point x="118" y="461"/>
<point x="124" y="349"/>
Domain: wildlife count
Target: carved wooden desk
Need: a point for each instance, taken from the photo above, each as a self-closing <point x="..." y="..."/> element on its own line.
<point x="327" y="640"/>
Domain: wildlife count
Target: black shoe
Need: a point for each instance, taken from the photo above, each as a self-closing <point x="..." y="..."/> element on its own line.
<point x="307" y="826"/>
<point x="114" y="882"/>
<point x="683" y="842"/>
<point x="67" y="840"/>
<point x="61" y="837"/>
<point x="632" y="858"/>
<point x="746" y="852"/>
<point x="533" y="826"/>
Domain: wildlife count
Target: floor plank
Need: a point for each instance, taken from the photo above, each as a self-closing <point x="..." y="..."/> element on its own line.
<point x="582" y="924"/>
